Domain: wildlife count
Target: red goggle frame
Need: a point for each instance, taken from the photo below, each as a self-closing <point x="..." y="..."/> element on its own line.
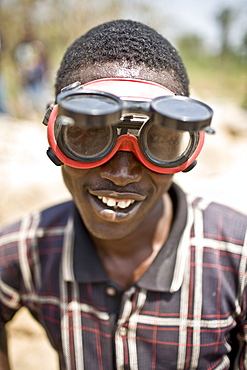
<point x="134" y="91"/>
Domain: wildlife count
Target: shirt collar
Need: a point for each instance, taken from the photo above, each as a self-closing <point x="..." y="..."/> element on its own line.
<point x="81" y="262"/>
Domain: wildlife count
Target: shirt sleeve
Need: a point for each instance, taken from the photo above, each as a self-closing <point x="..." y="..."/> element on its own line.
<point x="10" y="275"/>
<point x="18" y="265"/>
<point x="242" y="358"/>
<point x="238" y="336"/>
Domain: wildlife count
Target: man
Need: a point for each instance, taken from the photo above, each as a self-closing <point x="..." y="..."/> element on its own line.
<point x="131" y="274"/>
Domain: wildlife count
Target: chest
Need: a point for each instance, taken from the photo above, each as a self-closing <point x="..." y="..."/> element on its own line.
<point x="98" y="327"/>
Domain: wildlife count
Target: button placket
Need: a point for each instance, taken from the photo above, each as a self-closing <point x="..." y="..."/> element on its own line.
<point x="122" y="330"/>
<point x="126" y="312"/>
<point x="111" y="291"/>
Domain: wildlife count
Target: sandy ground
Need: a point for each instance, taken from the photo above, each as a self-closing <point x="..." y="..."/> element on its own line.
<point x="29" y="181"/>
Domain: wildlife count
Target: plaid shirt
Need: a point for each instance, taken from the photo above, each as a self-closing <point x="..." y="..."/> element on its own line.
<point x="188" y="310"/>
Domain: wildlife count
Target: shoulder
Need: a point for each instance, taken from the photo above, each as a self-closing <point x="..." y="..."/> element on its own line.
<point x="216" y="219"/>
<point x="220" y="221"/>
<point x="31" y="224"/>
<point x="56" y="215"/>
<point x="27" y="245"/>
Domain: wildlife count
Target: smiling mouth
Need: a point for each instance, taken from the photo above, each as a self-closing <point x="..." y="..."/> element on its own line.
<point x="116" y="206"/>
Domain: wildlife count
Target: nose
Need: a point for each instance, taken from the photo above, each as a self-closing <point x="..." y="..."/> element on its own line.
<point x="122" y="169"/>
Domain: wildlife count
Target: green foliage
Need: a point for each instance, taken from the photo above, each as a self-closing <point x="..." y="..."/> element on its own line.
<point x="218" y="77"/>
<point x="191" y="45"/>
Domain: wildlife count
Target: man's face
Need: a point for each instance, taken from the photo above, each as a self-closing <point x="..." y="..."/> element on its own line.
<point x="121" y="196"/>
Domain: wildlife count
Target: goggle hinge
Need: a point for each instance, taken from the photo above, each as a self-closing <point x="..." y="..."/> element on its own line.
<point x="193" y="164"/>
<point x="53" y="157"/>
<point x="47" y="115"/>
<point x="209" y="130"/>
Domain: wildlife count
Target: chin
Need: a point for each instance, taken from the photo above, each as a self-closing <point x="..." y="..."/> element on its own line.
<point x="110" y="232"/>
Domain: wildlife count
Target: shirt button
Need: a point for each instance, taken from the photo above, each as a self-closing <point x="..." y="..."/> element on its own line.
<point x="122" y="332"/>
<point x="111" y="291"/>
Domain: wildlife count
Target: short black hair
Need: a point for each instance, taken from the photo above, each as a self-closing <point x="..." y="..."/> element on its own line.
<point x="122" y="41"/>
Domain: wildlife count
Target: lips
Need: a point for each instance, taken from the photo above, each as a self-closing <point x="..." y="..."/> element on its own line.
<point x="115" y="206"/>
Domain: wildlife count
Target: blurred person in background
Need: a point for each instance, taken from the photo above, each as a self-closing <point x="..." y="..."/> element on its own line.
<point x="32" y="64"/>
<point x="3" y="87"/>
<point x="132" y="273"/>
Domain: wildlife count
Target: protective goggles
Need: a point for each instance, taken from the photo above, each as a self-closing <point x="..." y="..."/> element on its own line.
<point x="91" y="122"/>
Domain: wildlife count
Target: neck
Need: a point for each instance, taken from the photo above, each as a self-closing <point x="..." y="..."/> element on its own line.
<point x="126" y="260"/>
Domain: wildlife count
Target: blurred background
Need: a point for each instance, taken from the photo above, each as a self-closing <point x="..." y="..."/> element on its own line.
<point x="211" y="37"/>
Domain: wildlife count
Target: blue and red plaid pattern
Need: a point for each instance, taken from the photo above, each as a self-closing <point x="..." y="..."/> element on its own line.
<point x="197" y="322"/>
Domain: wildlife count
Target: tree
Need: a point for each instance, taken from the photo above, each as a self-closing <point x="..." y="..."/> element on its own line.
<point x="224" y="19"/>
<point x="244" y="44"/>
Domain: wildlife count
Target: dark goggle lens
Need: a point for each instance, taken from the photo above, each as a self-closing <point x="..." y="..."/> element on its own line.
<point x="90" y="104"/>
<point x="86" y="145"/>
<point x="162" y="145"/>
<point x="90" y="109"/>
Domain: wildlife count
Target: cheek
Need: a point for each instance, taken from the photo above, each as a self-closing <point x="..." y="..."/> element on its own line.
<point x="162" y="182"/>
<point x="67" y="178"/>
<point x="72" y="178"/>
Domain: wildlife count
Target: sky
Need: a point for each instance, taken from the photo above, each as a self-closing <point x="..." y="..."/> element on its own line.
<point x="200" y="17"/>
<point x="195" y="16"/>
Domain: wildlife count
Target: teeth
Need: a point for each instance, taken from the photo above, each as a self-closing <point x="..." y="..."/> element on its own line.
<point x="110" y="202"/>
<point x="124" y="204"/>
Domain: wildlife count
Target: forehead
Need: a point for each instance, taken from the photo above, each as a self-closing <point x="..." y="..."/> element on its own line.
<point x="116" y="70"/>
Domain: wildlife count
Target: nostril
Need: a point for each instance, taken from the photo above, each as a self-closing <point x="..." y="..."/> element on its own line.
<point x="122" y="169"/>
